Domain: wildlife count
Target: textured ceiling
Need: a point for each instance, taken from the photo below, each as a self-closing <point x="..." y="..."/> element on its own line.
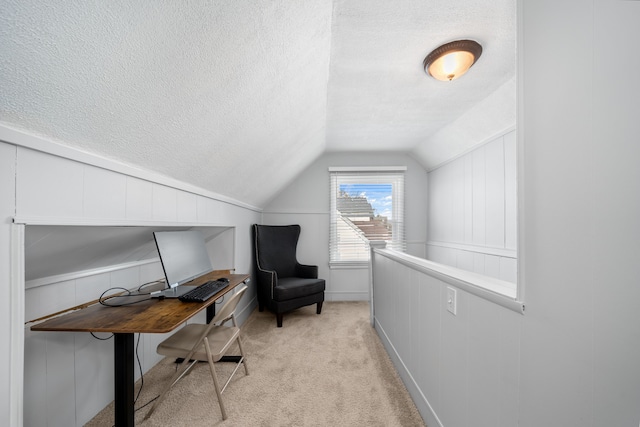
<point x="238" y="97"/>
<point x="379" y="95"/>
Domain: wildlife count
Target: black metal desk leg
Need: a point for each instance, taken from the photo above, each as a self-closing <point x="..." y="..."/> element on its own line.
<point x="211" y="312"/>
<point x="124" y="380"/>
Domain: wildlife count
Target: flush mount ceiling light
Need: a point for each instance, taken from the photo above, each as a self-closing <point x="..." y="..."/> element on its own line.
<point x="452" y="60"/>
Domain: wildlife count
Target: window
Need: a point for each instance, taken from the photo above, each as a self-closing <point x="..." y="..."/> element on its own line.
<point x="367" y="203"/>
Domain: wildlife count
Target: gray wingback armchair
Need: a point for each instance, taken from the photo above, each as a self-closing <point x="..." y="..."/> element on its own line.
<point x="283" y="283"/>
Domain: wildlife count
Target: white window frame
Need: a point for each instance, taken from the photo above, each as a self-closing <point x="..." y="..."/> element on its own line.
<point x="394" y="175"/>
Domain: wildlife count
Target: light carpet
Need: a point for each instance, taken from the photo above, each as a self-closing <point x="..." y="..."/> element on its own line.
<point x="317" y="370"/>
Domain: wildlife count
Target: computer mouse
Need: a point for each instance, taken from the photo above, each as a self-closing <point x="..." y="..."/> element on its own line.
<point x="223" y="279"/>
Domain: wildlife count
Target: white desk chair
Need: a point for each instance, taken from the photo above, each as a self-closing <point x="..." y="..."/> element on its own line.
<point x="207" y="343"/>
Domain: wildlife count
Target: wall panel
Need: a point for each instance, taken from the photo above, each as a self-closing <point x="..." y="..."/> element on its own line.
<point x="90" y="288"/>
<point x="479" y="196"/>
<point x="461" y="369"/>
<point x="69" y="377"/>
<point x="510" y="192"/>
<point x="454" y="362"/>
<point x="104" y="193"/>
<point x="465" y="261"/>
<point x="457" y="190"/>
<point x="204" y="208"/>
<point x="472" y="210"/>
<point x="580" y="338"/>
<point x="484" y="362"/>
<point x="187" y="206"/>
<point x="430" y="328"/>
<point x="495" y="194"/>
<point x="92" y="386"/>
<point x="59" y="383"/>
<point x="492" y="266"/>
<point x="139" y="199"/>
<point x="164" y="203"/>
<point x="479" y="263"/>
<point x="44" y="300"/>
<point x="35" y="349"/>
<point x="510" y="326"/>
<point x="49" y="186"/>
<point x="128" y="278"/>
<point x="616" y="148"/>
<point x="508" y="269"/>
<point x="468" y="199"/>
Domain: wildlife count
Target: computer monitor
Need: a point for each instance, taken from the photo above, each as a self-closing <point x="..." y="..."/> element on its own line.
<point x="183" y="255"/>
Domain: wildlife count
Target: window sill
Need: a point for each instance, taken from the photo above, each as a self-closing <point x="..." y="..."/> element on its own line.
<point x="349" y="265"/>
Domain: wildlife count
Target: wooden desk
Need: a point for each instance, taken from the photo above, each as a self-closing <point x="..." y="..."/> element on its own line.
<point x="153" y="316"/>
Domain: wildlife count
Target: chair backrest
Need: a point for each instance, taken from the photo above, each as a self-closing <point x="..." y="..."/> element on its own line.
<point x="275" y="247"/>
<point x="229" y="307"/>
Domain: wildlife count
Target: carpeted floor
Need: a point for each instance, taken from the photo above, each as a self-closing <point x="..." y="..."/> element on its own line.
<point x="326" y="370"/>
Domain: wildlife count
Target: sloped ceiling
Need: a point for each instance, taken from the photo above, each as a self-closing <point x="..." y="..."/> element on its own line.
<point x="200" y="90"/>
<point x="55" y="250"/>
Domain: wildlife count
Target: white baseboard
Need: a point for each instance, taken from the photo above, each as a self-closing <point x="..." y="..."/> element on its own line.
<point x="424" y="407"/>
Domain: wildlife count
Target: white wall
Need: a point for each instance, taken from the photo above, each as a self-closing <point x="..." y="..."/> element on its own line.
<point x="580" y="214"/>
<point x="461" y="370"/>
<point x="473" y="210"/>
<point x="579" y="341"/>
<point x="69" y="376"/>
<point x="571" y="360"/>
<point x="306" y="202"/>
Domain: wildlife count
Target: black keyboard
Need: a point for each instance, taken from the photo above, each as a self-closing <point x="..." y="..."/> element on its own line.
<point x="203" y="292"/>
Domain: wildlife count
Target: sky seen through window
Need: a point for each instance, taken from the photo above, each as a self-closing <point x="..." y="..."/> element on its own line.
<point x="378" y="195"/>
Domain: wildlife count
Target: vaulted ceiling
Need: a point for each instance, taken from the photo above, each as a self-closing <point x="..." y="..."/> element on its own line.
<point x="201" y="89"/>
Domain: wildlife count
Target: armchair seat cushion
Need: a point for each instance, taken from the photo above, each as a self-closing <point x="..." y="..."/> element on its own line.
<point x="294" y="287"/>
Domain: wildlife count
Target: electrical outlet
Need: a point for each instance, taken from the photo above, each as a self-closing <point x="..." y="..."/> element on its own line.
<point x="451" y="300"/>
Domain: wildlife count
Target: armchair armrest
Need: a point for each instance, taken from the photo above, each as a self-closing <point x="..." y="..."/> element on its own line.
<point x="267" y="280"/>
<point x="307" y="271"/>
<point x="267" y="276"/>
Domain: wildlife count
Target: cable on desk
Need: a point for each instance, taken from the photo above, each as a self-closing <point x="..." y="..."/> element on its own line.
<point x="127" y="293"/>
<point x="150" y="283"/>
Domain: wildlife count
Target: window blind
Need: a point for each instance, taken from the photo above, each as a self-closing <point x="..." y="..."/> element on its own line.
<point x="366" y="204"/>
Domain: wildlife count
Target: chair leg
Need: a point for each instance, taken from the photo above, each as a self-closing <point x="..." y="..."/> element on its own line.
<point x="279" y="319"/>
<point x="319" y="308"/>
<point x="183" y="369"/>
<point x="244" y="360"/>
<point x="216" y="385"/>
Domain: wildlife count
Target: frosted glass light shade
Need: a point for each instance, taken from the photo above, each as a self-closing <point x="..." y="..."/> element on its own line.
<point x="452" y="60"/>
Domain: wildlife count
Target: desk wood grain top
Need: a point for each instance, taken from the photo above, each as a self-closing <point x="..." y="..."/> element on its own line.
<point x="153" y="315"/>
